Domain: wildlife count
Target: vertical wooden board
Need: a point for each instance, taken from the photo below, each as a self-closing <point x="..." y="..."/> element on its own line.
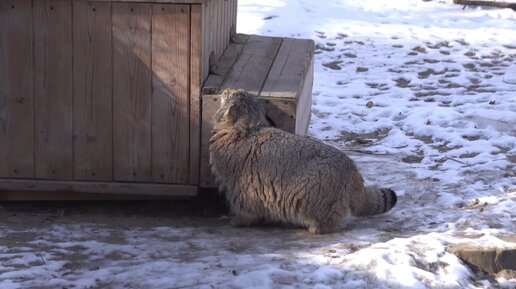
<point x="287" y="74"/>
<point x="234" y="16"/>
<point x="195" y="92"/>
<point x="92" y="81"/>
<point x="220" y="27"/>
<point x="16" y="90"/>
<point x="251" y="69"/>
<point x="204" y="42"/>
<point x="223" y="21"/>
<point x="304" y="103"/>
<point x="53" y="147"/>
<point x="210" y="105"/>
<point x="214" y="28"/>
<point x="211" y="27"/>
<point x="227" y="12"/>
<point x="132" y="92"/>
<point x="170" y="93"/>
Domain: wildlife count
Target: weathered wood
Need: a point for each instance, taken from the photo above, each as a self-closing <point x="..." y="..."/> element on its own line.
<point x="16" y="90"/>
<point x="304" y="103"/>
<point x="92" y="107"/>
<point x="234" y="16"/>
<point x="210" y="105"/>
<point x="216" y="34"/>
<point x="205" y="41"/>
<point x="132" y="92"/>
<point x="13" y="185"/>
<point x="75" y="196"/>
<point x="155" y="1"/>
<point x="287" y="75"/>
<point x="498" y="4"/>
<point x="211" y="33"/>
<point x="225" y="63"/>
<point x="281" y="112"/>
<point x="170" y="99"/>
<point x="195" y="92"/>
<point x="255" y="61"/>
<point x="53" y="149"/>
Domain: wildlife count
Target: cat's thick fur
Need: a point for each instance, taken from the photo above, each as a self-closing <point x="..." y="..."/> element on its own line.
<point x="269" y="174"/>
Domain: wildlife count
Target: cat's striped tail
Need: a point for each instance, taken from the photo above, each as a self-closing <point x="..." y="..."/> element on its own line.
<point x="374" y="201"/>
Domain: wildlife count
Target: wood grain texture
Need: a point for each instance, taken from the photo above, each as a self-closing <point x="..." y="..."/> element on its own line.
<point x="132" y="92"/>
<point x="282" y="113"/>
<point x="16" y="90"/>
<point x="195" y="92"/>
<point x="287" y="75"/>
<point x="211" y="33"/>
<point x="124" y="188"/>
<point x="251" y="69"/>
<point x="219" y="28"/>
<point x="235" y="15"/>
<point x="304" y="102"/>
<point x="92" y="79"/>
<point x="210" y="105"/>
<point x="154" y="1"/>
<point x="11" y="196"/>
<point x="226" y="62"/>
<point x="53" y="149"/>
<point x="205" y="41"/>
<point x="170" y="99"/>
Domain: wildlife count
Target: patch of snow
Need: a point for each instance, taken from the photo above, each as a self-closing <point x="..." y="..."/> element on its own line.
<point x="441" y="132"/>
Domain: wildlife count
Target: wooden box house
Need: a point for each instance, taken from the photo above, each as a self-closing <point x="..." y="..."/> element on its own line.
<point x="105" y="96"/>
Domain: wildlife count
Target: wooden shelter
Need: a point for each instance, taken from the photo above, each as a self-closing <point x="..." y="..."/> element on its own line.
<point x="105" y="96"/>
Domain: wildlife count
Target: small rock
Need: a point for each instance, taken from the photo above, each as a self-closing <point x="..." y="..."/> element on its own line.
<point x="334" y="65"/>
<point x="362" y="69"/>
<point x="412" y="159"/>
<point x="369" y="104"/>
<point x="488" y="259"/>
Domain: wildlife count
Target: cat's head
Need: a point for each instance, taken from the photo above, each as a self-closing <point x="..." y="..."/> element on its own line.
<point x="239" y="108"/>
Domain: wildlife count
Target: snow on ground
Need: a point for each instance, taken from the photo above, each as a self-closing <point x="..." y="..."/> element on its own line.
<point x="423" y="97"/>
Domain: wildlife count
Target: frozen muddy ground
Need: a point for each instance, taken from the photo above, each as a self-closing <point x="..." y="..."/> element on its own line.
<point x="420" y="94"/>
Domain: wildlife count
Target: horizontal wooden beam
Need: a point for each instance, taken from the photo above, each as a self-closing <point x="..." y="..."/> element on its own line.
<point x="153" y="1"/>
<point x="113" y="188"/>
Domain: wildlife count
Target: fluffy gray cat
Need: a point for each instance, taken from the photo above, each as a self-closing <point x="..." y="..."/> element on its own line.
<point x="269" y="174"/>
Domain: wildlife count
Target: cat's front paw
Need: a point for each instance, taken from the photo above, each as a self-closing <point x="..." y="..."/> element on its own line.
<point x="318" y="229"/>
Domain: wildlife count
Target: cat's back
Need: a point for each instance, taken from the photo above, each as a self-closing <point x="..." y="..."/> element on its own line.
<point x="294" y="153"/>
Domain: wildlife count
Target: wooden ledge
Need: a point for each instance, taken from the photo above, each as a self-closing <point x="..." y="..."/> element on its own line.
<point x="153" y="1"/>
<point x="269" y="67"/>
<point x="108" y="188"/>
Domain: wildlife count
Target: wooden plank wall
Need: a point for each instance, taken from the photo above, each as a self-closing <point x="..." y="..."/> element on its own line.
<point x="170" y="96"/>
<point x="219" y="22"/>
<point x="106" y="91"/>
<point x="16" y="90"/>
<point x="195" y="92"/>
<point x="53" y="155"/>
<point x="92" y="81"/>
<point x="132" y="81"/>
